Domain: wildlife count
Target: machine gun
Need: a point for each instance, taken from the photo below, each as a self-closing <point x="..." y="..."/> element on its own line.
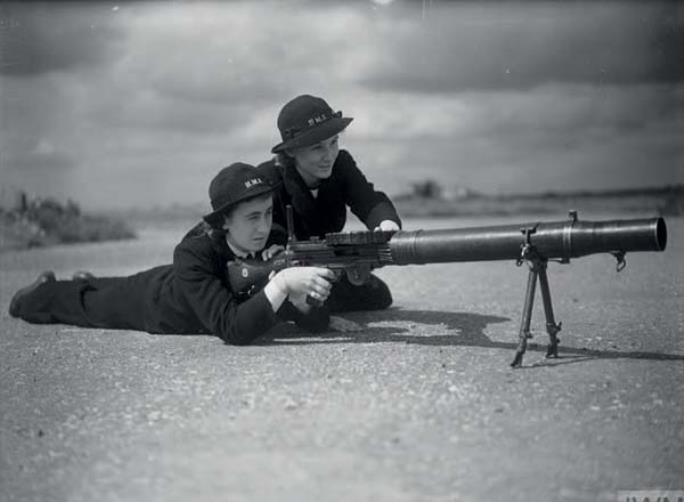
<point x="357" y="253"/>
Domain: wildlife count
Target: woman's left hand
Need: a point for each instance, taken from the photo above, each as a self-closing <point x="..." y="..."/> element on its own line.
<point x="388" y="225"/>
<point x="271" y="251"/>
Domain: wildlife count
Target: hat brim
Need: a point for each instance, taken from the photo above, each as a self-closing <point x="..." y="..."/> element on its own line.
<point x="315" y="135"/>
<point x="216" y="216"/>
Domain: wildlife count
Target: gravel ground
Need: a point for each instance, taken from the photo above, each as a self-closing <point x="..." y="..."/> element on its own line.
<point x="419" y="405"/>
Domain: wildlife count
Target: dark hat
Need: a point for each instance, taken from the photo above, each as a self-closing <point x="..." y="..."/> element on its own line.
<point x="306" y="120"/>
<point x="233" y="184"/>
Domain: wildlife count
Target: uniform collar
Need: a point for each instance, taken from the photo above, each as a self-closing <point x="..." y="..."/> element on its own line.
<point x="239" y="254"/>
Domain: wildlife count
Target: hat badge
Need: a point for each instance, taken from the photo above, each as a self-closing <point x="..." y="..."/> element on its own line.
<point x="253" y="182"/>
<point x="317" y="119"/>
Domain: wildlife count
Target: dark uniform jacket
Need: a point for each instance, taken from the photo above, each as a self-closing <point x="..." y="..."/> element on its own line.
<point x="327" y="212"/>
<point x="192" y="295"/>
<point x="197" y="296"/>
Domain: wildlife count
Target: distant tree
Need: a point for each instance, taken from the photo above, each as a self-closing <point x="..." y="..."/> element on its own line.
<point x="22" y="202"/>
<point x="428" y="189"/>
<point x="73" y="208"/>
<point x="41" y="222"/>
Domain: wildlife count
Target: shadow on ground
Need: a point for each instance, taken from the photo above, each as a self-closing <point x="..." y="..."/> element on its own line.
<point x="455" y="329"/>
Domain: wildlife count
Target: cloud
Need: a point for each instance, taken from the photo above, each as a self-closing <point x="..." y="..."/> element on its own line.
<point x="38" y="38"/>
<point x="558" y="137"/>
<point x="36" y="122"/>
<point x="498" y="45"/>
<point x="562" y="109"/>
<point x="198" y="68"/>
<point x="40" y="156"/>
<point x="229" y="53"/>
<point x="168" y="92"/>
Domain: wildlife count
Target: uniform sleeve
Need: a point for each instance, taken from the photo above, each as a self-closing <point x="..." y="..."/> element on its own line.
<point x="214" y="303"/>
<point x="369" y="205"/>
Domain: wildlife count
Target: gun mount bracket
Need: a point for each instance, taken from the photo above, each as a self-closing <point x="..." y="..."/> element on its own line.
<point x="527" y="251"/>
<point x="621" y="262"/>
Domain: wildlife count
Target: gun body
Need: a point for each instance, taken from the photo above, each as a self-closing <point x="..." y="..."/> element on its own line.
<point x="357" y="253"/>
<point x="354" y="254"/>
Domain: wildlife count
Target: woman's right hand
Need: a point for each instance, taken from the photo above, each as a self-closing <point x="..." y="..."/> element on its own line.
<point x="299" y="282"/>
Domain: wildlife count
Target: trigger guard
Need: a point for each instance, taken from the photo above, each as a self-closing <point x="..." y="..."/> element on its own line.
<point x="358" y="275"/>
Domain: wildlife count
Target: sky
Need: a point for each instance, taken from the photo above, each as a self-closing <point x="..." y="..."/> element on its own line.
<point x="139" y="104"/>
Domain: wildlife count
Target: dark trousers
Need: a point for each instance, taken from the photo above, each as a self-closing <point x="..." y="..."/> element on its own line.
<point x="121" y="303"/>
<point x="105" y="302"/>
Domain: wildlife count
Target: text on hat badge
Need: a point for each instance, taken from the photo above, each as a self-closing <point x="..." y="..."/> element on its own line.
<point x="253" y="182"/>
<point x="317" y="119"/>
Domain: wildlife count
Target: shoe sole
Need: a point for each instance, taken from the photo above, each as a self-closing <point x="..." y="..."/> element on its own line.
<point x="43" y="278"/>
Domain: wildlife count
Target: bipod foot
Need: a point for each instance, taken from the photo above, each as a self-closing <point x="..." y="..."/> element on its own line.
<point x="517" y="360"/>
<point x="522" y="348"/>
<point x="552" y="350"/>
<point x="552" y="328"/>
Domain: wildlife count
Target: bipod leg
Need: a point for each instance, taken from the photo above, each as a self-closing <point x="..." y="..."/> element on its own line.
<point x="551" y="327"/>
<point x="527" y="314"/>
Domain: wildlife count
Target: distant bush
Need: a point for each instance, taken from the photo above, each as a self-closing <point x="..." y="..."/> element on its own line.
<point x="667" y="201"/>
<point x="428" y="189"/>
<point x="673" y="203"/>
<point x="44" y="222"/>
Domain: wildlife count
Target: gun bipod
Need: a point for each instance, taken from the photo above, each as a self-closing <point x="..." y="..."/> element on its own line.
<point x="537" y="265"/>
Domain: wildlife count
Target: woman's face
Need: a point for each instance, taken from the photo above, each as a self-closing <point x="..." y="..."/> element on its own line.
<point x="249" y="224"/>
<point x="315" y="162"/>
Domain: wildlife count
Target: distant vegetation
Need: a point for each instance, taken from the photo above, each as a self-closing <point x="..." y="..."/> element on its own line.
<point x="429" y="199"/>
<point x="43" y="222"/>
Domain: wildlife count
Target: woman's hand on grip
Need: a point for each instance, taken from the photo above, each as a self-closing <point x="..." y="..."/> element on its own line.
<point x="298" y="282"/>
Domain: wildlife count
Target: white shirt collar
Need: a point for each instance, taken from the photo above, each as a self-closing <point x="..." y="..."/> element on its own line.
<point x="237" y="253"/>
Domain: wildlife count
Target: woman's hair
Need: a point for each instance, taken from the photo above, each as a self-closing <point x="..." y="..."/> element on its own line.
<point x="217" y="235"/>
<point x="215" y="232"/>
<point x="284" y="160"/>
<point x="217" y="221"/>
<point x="216" y="226"/>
